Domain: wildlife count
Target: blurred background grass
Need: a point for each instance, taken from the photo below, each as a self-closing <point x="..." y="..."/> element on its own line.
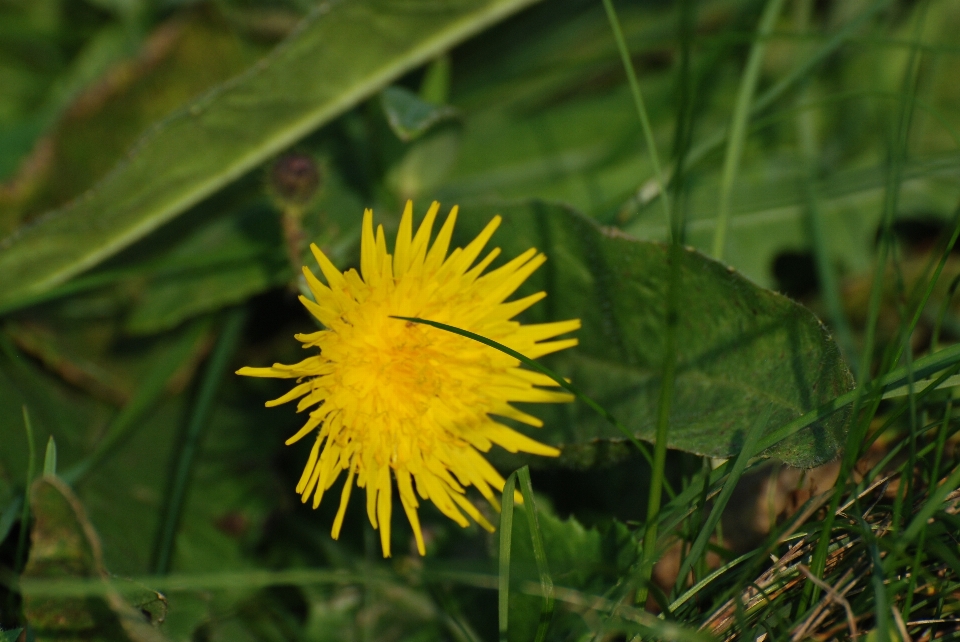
<point x="851" y="131"/>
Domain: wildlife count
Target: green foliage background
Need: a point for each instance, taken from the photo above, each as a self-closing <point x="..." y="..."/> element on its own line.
<point x="145" y="254"/>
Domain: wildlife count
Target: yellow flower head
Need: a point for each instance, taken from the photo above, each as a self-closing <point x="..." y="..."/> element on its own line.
<point x="393" y="395"/>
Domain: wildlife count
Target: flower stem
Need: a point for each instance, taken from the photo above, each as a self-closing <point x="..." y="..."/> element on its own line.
<point x="293" y="236"/>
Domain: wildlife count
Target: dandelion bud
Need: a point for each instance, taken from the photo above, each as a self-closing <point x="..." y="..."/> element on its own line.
<point x="294" y="178"/>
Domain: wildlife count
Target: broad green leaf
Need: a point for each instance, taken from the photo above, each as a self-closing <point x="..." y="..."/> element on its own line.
<point x="65" y="545"/>
<point x="304" y="83"/>
<point x="741" y="348"/>
<point x="180" y="60"/>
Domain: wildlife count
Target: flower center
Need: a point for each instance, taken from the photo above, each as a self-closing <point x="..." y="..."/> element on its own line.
<point x="407" y="367"/>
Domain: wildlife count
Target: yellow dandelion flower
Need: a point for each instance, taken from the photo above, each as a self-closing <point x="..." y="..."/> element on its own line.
<point x="395" y="396"/>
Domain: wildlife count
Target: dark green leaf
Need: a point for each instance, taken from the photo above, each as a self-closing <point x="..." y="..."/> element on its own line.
<point x="741" y="348"/>
<point x="64" y="545"/>
<point x="220" y="263"/>
<point x="11" y="636"/>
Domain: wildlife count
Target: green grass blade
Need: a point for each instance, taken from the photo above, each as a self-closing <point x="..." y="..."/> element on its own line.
<point x="934" y="502"/>
<point x="641" y="108"/>
<point x="942" y="313"/>
<point x="905" y="489"/>
<point x="828" y="279"/>
<point x="942" y="551"/>
<point x="539" y="552"/>
<point x="919" y="386"/>
<point x="689" y="89"/>
<point x="31" y="472"/>
<point x="917" y="563"/>
<point x="75" y="286"/>
<point x="685" y="502"/>
<point x="649" y="552"/>
<point x="211" y="581"/>
<point x="896" y="157"/>
<point x="791" y="80"/>
<point x="624" y="619"/>
<point x="144" y="269"/>
<point x="880" y="608"/>
<point x="506" y="543"/>
<point x="931" y="283"/>
<point x="199" y="417"/>
<point x="696" y="588"/>
<point x="897" y="153"/>
<point x="826" y="274"/>
<point x="940" y="444"/>
<point x="50" y="457"/>
<point x="922" y="367"/>
<point x="747" y="451"/>
<point x="828" y="49"/>
<point x="739" y="121"/>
